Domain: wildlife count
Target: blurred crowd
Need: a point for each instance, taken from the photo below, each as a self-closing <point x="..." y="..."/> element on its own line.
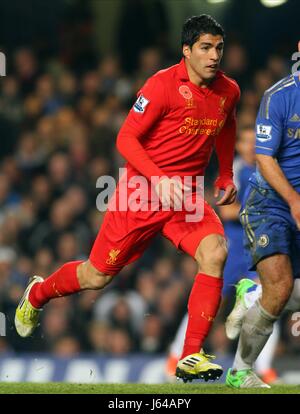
<point x="58" y="129"/>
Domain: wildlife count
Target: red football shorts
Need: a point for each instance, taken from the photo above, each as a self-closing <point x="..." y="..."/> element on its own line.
<point x="125" y="235"/>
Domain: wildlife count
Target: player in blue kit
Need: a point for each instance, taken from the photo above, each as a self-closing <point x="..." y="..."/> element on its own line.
<point x="271" y="221"/>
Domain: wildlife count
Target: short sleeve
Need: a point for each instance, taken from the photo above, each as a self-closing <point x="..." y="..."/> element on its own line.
<point x="269" y="125"/>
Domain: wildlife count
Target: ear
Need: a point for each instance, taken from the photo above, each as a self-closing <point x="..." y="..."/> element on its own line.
<point x="187" y="51"/>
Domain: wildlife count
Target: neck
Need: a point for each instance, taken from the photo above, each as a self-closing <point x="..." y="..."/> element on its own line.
<point x="195" y="78"/>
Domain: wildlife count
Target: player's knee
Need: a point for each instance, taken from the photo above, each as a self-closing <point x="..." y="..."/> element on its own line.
<point x="214" y="257"/>
<point x="91" y="278"/>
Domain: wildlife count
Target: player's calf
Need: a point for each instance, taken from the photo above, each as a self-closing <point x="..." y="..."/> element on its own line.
<point x="91" y="278"/>
<point x="275" y="298"/>
<point x="277" y="282"/>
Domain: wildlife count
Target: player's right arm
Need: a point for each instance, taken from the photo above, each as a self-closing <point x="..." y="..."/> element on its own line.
<point x="150" y="107"/>
<point x="269" y="132"/>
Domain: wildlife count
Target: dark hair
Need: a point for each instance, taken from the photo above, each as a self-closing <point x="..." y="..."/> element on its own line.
<point x="198" y="25"/>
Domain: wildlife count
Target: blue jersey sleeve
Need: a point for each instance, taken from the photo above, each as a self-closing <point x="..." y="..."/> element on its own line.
<point x="269" y="125"/>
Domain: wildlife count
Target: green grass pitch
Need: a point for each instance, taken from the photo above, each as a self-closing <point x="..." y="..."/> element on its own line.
<point x="66" y="388"/>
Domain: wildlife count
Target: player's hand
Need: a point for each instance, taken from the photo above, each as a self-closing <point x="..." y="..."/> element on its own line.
<point x="228" y="197"/>
<point x="295" y="209"/>
<point x="170" y="192"/>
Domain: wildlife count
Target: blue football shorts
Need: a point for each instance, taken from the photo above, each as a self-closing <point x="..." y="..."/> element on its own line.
<point x="269" y="228"/>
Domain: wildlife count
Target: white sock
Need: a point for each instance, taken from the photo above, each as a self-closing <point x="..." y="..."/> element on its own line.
<point x="265" y="358"/>
<point x="256" y="329"/>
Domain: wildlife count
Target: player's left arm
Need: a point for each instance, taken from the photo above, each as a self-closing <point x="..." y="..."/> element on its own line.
<point x="224" y="147"/>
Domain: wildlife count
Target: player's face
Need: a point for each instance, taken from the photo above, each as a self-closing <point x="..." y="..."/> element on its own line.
<point x="204" y="57"/>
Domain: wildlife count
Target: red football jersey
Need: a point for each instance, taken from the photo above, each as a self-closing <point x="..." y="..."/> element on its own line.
<point x="174" y="125"/>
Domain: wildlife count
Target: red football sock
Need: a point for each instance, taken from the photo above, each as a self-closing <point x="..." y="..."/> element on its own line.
<point x="204" y="301"/>
<point x="63" y="282"/>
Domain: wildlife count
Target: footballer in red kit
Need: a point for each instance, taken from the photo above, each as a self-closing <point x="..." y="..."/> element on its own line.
<point x="174" y="125"/>
<point x="181" y="115"/>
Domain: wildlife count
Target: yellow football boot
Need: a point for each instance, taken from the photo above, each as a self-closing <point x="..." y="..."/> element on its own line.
<point x="198" y="366"/>
<point x="27" y="317"/>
